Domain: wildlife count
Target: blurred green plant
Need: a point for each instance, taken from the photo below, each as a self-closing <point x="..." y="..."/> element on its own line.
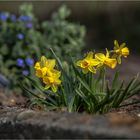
<point x="22" y="40"/>
<point x="63" y="36"/>
<point x="87" y="90"/>
<point x="19" y="43"/>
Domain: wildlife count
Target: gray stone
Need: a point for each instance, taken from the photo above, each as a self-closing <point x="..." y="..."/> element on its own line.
<point x="22" y="124"/>
<point x="4" y="82"/>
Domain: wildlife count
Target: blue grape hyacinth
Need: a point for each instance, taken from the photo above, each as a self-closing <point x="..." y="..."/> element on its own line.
<point x="20" y="62"/>
<point x="3" y="16"/>
<point x="25" y="18"/>
<point x="25" y="72"/>
<point x="29" y="61"/>
<point x="29" y="25"/>
<point x="20" y="36"/>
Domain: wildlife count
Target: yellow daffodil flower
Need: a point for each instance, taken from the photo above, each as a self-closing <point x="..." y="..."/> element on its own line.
<point x="120" y="50"/>
<point x="38" y="69"/>
<point x="88" y="63"/>
<point x="106" y="60"/>
<point x="52" y="80"/>
<point x="50" y="76"/>
<point x="44" y="66"/>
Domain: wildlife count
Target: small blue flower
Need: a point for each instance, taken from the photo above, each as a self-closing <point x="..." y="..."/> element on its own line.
<point x="20" y="36"/>
<point x="25" y="18"/>
<point x="3" y="17"/>
<point x="25" y="72"/>
<point x="29" y="25"/>
<point x="20" y="62"/>
<point x="29" y="61"/>
<point x="13" y="17"/>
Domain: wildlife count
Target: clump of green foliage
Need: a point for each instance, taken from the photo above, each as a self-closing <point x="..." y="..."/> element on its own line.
<point x="82" y="90"/>
<point x="63" y="36"/>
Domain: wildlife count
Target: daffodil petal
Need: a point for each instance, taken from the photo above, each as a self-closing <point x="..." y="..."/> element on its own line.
<point x="100" y="56"/>
<point x="44" y="71"/>
<point x="122" y="45"/>
<point x="111" y="63"/>
<point x="95" y="62"/>
<point x="78" y="63"/>
<point x="116" y="44"/>
<point x="107" y="53"/>
<point x="89" y="55"/>
<point x="38" y="73"/>
<point x="37" y="65"/>
<point x="99" y="65"/>
<point x="43" y="61"/>
<point x="58" y="81"/>
<point x="92" y="69"/>
<point x="51" y="63"/>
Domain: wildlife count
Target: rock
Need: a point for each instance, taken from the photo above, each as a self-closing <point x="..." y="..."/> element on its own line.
<point x="25" y="115"/>
<point x="22" y="124"/>
<point x="4" y="82"/>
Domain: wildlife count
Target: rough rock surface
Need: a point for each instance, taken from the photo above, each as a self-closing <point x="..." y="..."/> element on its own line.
<point x="22" y="124"/>
<point x="4" y="82"/>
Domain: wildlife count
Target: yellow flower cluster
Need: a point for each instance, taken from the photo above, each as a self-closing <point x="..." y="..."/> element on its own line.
<point x="93" y="61"/>
<point x="50" y="76"/>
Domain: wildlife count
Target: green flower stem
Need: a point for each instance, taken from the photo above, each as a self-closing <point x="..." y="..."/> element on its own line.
<point x="103" y="79"/>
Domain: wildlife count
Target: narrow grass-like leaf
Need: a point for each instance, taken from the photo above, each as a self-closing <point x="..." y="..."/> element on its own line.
<point x="88" y="89"/>
<point x="71" y="104"/>
<point x="103" y="80"/>
<point x="36" y="84"/>
<point x="115" y="80"/>
<point x="126" y="91"/>
<point x="84" y="84"/>
<point x="81" y="94"/>
<point x="116" y="95"/>
<point x="132" y="93"/>
<point x="97" y="83"/>
<point x="77" y="73"/>
<point x="30" y="92"/>
<point x="58" y="60"/>
<point x="136" y="102"/>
